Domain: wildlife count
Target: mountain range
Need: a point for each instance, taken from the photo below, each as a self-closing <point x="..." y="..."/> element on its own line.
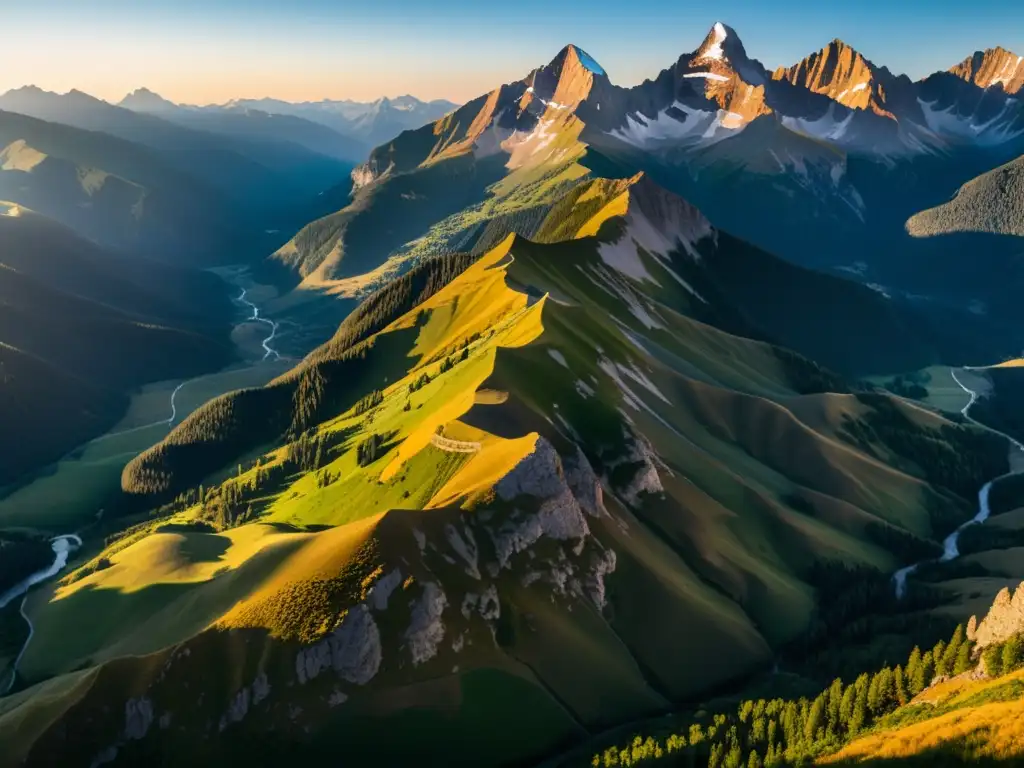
<point x="600" y="448"/>
<point x="352" y="127"/>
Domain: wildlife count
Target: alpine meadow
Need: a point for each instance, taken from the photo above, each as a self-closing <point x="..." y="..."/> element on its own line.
<point x="669" y="413"/>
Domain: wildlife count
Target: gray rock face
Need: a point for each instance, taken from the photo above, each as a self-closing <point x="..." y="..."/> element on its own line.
<point x="380" y="592"/>
<point x="352" y="650"/>
<point x="1004" y="619"/>
<point x="426" y="630"/>
<point x="138" y="717"/>
<point x="585" y="485"/>
<point x="237" y="709"/>
<point x="601" y="564"/>
<point x="260" y="688"/>
<point x="646" y="479"/>
<point x="487" y="604"/>
<point x="559" y="517"/>
<point x="539" y="474"/>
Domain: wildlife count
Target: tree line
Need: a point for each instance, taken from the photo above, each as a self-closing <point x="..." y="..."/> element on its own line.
<point x="764" y="733"/>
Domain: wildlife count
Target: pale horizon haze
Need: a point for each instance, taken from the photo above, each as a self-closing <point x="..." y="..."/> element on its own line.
<point x="198" y="52"/>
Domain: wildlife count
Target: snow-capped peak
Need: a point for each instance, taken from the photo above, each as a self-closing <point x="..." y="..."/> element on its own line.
<point x="715" y="51"/>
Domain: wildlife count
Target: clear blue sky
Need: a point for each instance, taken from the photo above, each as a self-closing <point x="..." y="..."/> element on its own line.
<point x="213" y="50"/>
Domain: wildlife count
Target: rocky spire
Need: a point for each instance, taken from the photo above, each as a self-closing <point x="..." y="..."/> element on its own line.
<point x="994" y="67"/>
<point x="567" y="80"/>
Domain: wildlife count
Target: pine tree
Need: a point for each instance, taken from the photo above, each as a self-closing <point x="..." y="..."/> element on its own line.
<point x="835" y="700"/>
<point x="817" y="718"/>
<point x="922" y="675"/>
<point x="937" y="651"/>
<point x="900" y="684"/>
<point x="963" y="660"/>
<point x="912" y="670"/>
<point x="873" y="696"/>
<point x="947" y="664"/>
<point x="993" y="660"/>
<point x="1013" y="654"/>
<point x="846" y="707"/>
<point x="754" y="761"/>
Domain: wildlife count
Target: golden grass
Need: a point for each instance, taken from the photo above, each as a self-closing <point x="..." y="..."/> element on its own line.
<point x="992" y="730"/>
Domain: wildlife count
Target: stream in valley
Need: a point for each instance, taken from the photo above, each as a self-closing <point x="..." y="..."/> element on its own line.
<point x="65" y="544"/>
<point x="950" y="546"/>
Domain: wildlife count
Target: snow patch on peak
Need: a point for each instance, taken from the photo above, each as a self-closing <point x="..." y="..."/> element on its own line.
<point x="707" y="76"/>
<point x="717" y="37"/>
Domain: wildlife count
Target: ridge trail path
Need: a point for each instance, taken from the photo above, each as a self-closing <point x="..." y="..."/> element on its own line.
<point x="454" y="446"/>
<point x="950" y="547"/>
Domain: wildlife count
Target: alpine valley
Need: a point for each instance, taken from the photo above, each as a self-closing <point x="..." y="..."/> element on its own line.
<point x="578" y="424"/>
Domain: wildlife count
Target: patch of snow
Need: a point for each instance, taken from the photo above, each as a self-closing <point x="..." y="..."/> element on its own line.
<point x="695" y="129"/>
<point x="421" y="539"/>
<point x="707" y="76"/>
<point x="620" y="289"/>
<point x="826" y="127"/>
<point x="638" y="376"/>
<point x="584" y="389"/>
<point x="466" y="548"/>
<point x="715" y="50"/>
<point x="558" y="357"/>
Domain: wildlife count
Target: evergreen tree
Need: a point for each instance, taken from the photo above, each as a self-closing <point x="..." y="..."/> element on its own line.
<point x="947" y="664"/>
<point x="963" y="659"/>
<point x="900" y="685"/>
<point x="912" y="671"/>
<point x="923" y="673"/>
<point x="846" y="707"/>
<point x="817" y="718"/>
<point x="993" y="660"/>
<point x="1013" y="654"/>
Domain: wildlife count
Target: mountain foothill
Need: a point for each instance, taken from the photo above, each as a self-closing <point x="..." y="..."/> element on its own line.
<point x="618" y="425"/>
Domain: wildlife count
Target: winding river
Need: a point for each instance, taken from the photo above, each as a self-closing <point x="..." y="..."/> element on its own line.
<point x="62" y="547"/>
<point x="950" y="547"/>
<point x="268" y="350"/>
<point x="65" y="544"/>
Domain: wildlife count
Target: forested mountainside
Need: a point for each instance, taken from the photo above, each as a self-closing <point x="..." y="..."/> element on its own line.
<point x="81" y="326"/>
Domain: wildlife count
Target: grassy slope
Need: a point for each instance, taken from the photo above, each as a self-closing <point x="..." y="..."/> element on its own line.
<point x="720" y="547"/>
<point x="977" y="722"/>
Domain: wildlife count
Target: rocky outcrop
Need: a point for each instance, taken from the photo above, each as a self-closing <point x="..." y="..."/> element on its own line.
<point x="646" y="479"/>
<point x="138" y="717"/>
<point x="378" y="594"/>
<point x="601" y="564"/>
<point x="560" y="517"/>
<point x="585" y="485"/>
<point x="1004" y="619"/>
<point x="538" y="474"/>
<point x="352" y="650"/>
<point x="426" y="630"/>
<point x="487" y="604"/>
<point x="993" y="67"/>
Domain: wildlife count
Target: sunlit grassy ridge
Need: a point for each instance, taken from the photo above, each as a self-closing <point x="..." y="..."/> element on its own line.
<point x="556" y="469"/>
